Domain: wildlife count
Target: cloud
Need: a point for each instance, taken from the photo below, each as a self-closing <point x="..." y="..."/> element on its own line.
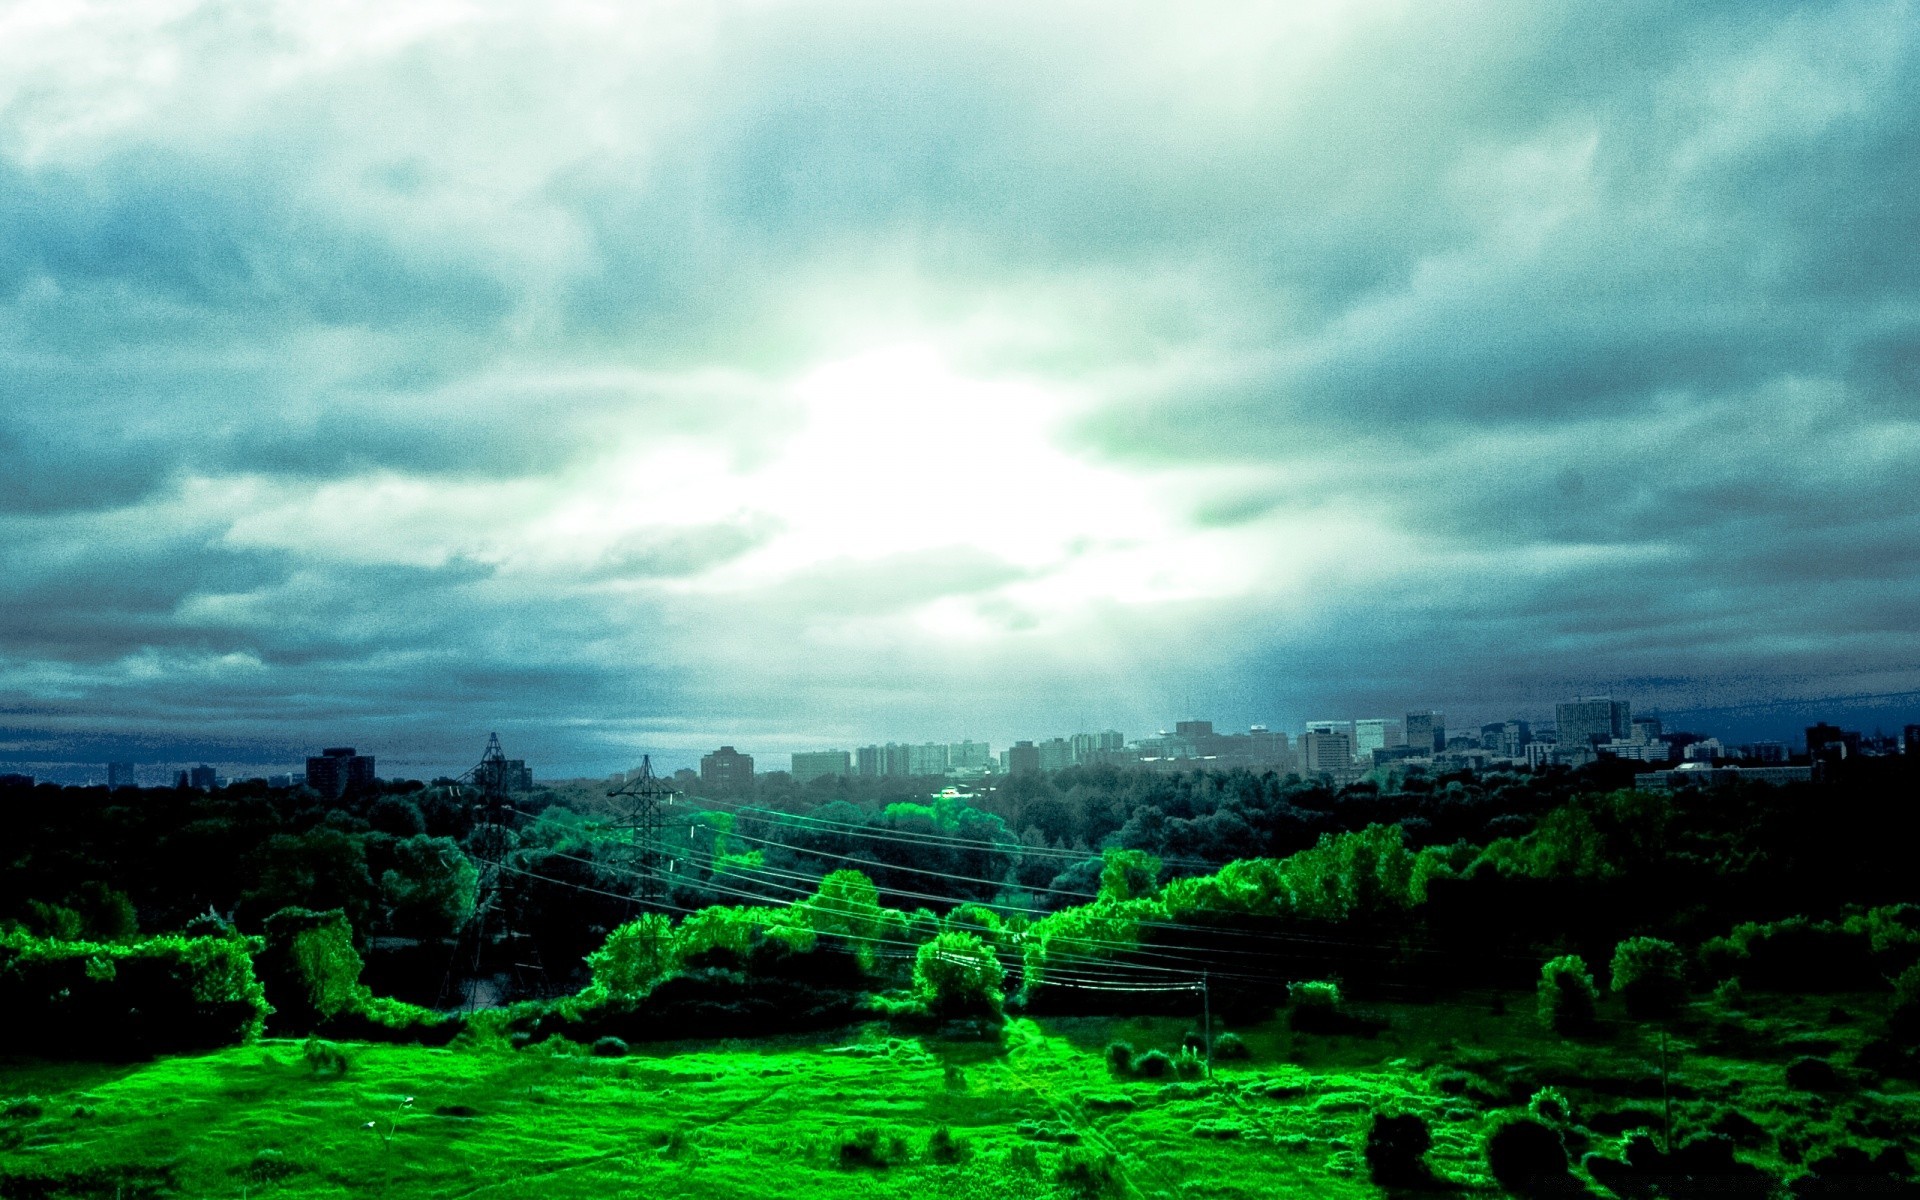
<point x="847" y="369"/>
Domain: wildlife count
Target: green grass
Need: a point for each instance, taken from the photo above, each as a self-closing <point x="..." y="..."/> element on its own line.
<point x="770" y="1117"/>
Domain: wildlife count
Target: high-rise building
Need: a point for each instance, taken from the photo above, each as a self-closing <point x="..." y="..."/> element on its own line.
<point x="1645" y="729"/>
<point x="1909" y="742"/>
<point x="1590" y="720"/>
<point x="1193" y="729"/>
<point x="809" y="765"/>
<point x="726" y="770"/>
<point x="969" y="756"/>
<point x="1326" y="750"/>
<point x="203" y="777"/>
<point x="1023" y="758"/>
<point x="121" y="775"/>
<point x="929" y="758"/>
<point x="1056" y="754"/>
<point x="1369" y="735"/>
<point x="1426" y="731"/>
<point x="338" y="770"/>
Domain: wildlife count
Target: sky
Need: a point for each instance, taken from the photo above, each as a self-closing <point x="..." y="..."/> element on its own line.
<point x="638" y="377"/>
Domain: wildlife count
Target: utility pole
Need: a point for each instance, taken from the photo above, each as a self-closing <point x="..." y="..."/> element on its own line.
<point x="1206" y="1008"/>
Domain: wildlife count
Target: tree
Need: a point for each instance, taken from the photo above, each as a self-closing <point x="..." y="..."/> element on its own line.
<point x="309" y="968"/>
<point x="957" y="975"/>
<point x="1650" y="976"/>
<point x="431" y="888"/>
<point x="1129" y="875"/>
<point x="1566" y="995"/>
<point x="636" y="956"/>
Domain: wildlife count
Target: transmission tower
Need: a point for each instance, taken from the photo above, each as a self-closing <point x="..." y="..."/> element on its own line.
<point x="643" y="801"/>
<point x="490" y="841"/>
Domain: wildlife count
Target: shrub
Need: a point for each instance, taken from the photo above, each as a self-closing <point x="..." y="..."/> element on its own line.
<point x="1228" y="1047"/>
<point x="1189" y="1064"/>
<point x="1808" y="1074"/>
<point x="95" y="999"/>
<point x="1904" y="1021"/>
<point x="1088" y="1174"/>
<point x="1396" y="1149"/>
<point x="958" y="975"/>
<point x="1729" y="994"/>
<point x="309" y="968"/>
<point x="609" y="1047"/>
<point x="1120" y="1057"/>
<point x="943" y="1147"/>
<point x="1527" y="1158"/>
<point x="634" y="957"/>
<point x="1315" y="993"/>
<point x="1154" y="1064"/>
<point x="871" y="1147"/>
<point x="1649" y="975"/>
<point x="324" y="1058"/>
<point x="1566" y="995"/>
<point x="1551" y="1106"/>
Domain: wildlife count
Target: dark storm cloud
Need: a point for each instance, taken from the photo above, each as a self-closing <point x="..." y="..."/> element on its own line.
<point x="1596" y="331"/>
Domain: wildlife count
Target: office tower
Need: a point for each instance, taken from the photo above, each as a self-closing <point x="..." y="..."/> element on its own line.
<point x="928" y="758"/>
<point x="203" y="777"/>
<point x="726" y="770"/>
<point x="1326" y="750"/>
<point x="809" y="765"/>
<point x="338" y="770"/>
<point x="1426" y="731"/>
<point x="969" y="756"/>
<point x="1023" y="758"/>
<point x="1056" y="754"/>
<point x="1589" y="720"/>
<point x="1369" y="735"/>
<point x="121" y="775"/>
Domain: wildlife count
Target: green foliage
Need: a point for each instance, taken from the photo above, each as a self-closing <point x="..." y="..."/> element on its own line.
<point x="1904" y="1021"/>
<point x="1396" y="1149"/>
<point x="309" y="968"/>
<point x="958" y="975"/>
<point x="1346" y="876"/>
<point x="1088" y="1174"/>
<point x="1119" y="1057"/>
<point x="943" y="1147"/>
<point x="635" y="957"/>
<point x="1230" y="1047"/>
<point x="1155" y="1064"/>
<point x="165" y="993"/>
<point x="1590" y="837"/>
<point x="324" y="1058"/>
<point x="609" y="1047"/>
<point x="1650" y="976"/>
<point x="871" y="1147"/>
<point x="431" y="888"/>
<point x="980" y="921"/>
<point x="1315" y="993"/>
<point x="1566" y="995"/>
<point x="1527" y="1157"/>
<point x="1550" y="1106"/>
<point x="1129" y="875"/>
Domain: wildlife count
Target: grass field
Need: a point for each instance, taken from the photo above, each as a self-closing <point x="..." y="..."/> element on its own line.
<point x="791" y="1117"/>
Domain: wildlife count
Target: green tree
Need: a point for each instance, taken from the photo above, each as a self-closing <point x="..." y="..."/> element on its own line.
<point x="1650" y="976"/>
<point x="1129" y="875"/>
<point x="309" y="968"/>
<point x="636" y="956"/>
<point x="958" y="975"/>
<point x="1566" y="995"/>
<point x="431" y="888"/>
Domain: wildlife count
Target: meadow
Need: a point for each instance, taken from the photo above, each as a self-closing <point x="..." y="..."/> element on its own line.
<point x="1035" y="1111"/>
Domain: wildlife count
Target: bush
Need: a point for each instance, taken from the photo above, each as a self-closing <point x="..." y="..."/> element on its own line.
<point x="1154" y="1064"/>
<point x="1089" y="1174"/>
<point x="1650" y="976"/>
<point x="1315" y="993"/>
<point x="958" y="975"/>
<point x="1729" y="994"/>
<point x="1904" y="1021"/>
<point x="324" y="1058"/>
<point x="1527" y="1158"/>
<point x="1808" y="1074"/>
<point x="309" y="968"/>
<point x="872" y="1147"/>
<point x="1228" y="1047"/>
<point x="609" y="1047"/>
<point x="1551" y="1106"/>
<point x="943" y="1147"/>
<point x="1189" y="1064"/>
<point x="1396" y="1149"/>
<point x="1120" y="1057"/>
<point x="94" y="999"/>
<point x="1566" y="995"/>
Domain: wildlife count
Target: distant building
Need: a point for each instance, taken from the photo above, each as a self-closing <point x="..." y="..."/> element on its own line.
<point x="1702" y="775"/>
<point x="726" y="770"/>
<point x="1910" y="742"/>
<point x="1829" y="742"/>
<point x="1590" y="720"/>
<point x="1772" y="752"/>
<point x="930" y="758"/>
<point x="203" y="777"/>
<point x="1056" y="754"/>
<point x="809" y="765"/>
<point x="1193" y="729"/>
<point x="121" y="775"/>
<point x="969" y="756"/>
<point x="1326" y="750"/>
<point x="1369" y="735"/>
<point x="13" y="779"/>
<point x="338" y="770"/>
<point x="1023" y="758"/>
<point x="1646" y="729"/>
<point x="1426" y="730"/>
